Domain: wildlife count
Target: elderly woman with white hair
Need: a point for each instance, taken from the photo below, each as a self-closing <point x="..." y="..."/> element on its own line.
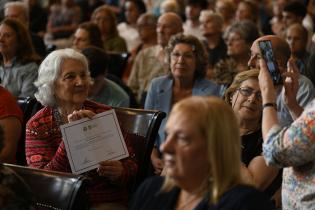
<point x="63" y="84"/>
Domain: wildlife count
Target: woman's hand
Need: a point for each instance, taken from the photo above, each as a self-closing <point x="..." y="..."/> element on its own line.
<point x="267" y="88"/>
<point x="111" y="169"/>
<point x="79" y="114"/>
<point x="291" y="87"/>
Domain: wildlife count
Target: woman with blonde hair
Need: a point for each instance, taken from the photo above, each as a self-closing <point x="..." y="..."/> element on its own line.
<point x="244" y="96"/>
<point x="201" y="153"/>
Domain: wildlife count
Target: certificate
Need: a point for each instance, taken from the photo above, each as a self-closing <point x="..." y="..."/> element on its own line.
<point x="90" y="141"/>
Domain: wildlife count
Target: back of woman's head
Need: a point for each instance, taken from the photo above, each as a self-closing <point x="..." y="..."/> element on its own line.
<point x="24" y="48"/>
<point x="97" y="59"/>
<point x="217" y="122"/>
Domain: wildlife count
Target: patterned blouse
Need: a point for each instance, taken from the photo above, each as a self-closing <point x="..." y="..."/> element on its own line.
<point x="293" y="148"/>
<point x="46" y="150"/>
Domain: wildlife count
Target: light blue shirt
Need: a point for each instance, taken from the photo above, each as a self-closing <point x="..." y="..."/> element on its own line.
<point x="305" y="94"/>
<point x="112" y="95"/>
<point x="19" y="78"/>
<point x="160" y="95"/>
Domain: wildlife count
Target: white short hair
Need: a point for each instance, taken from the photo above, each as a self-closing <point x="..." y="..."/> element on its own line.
<point x="49" y="71"/>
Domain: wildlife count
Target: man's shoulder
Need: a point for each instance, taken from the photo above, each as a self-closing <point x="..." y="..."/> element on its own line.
<point x="117" y="90"/>
<point x="304" y="81"/>
<point x="150" y="51"/>
<point x="306" y="87"/>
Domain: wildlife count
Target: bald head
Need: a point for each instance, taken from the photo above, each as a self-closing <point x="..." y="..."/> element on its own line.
<point x="168" y="25"/>
<point x="280" y="49"/>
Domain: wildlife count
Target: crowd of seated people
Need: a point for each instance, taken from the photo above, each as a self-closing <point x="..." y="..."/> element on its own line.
<point x="57" y="52"/>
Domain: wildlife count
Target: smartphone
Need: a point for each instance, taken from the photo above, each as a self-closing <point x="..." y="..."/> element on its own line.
<point x="265" y="47"/>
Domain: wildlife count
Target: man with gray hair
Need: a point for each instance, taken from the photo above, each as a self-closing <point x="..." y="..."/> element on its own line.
<point x="20" y="11"/>
<point x="150" y="63"/>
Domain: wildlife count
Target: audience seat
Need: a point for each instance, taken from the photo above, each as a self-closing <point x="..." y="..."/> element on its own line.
<point x="144" y="126"/>
<point x="54" y="190"/>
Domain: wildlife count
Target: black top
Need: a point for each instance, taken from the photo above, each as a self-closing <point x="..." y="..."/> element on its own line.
<point x="241" y="197"/>
<point x="251" y="148"/>
<point x="217" y="53"/>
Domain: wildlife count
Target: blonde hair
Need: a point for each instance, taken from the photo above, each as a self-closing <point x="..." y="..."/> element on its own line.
<point x="217" y="122"/>
<point x="237" y="82"/>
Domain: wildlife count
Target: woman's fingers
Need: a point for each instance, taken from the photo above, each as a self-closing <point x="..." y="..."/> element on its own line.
<point x="111" y="169"/>
<point x="79" y="114"/>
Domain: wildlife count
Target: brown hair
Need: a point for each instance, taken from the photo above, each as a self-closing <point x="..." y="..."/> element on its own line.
<point x="95" y="36"/>
<point x="111" y="15"/>
<point x="25" y="51"/>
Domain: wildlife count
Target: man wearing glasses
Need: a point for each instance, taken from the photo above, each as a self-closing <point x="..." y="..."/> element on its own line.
<point x="289" y="105"/>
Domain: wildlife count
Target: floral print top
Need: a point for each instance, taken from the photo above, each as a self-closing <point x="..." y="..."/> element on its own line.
<point x="293" y="148"/>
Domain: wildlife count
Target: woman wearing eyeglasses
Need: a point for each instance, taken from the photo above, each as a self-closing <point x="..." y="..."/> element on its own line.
<point x="245" y="98"/>
<point x="238" y="39"/>
<point x="187" y="61"/>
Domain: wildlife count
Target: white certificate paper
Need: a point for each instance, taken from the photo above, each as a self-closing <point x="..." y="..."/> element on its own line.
<point x="90" y="141"/>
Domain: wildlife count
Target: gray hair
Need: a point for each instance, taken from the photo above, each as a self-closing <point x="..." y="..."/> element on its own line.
<point x="20" y="5"/>
<point x="246" y="29"/>
<point x="215" y="17"/>
<point x="148" y="18"/>
<point x="49" y="71"/>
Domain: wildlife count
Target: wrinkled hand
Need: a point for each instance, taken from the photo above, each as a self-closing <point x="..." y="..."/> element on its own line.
<point x="79" y="114"/>
<point x="291" y="84"/>
<point x="111" y="169"/>
<point x="267" y="88"/>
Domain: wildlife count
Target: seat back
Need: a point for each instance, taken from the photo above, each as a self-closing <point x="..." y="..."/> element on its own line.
<point x="29" y="107"/>
<point x="54" y="190"/>
<point x="117" y="63"/>
<point x="144" y="126"/>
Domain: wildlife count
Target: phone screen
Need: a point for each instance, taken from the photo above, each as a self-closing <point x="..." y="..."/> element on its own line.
<point x="267" y="54"/>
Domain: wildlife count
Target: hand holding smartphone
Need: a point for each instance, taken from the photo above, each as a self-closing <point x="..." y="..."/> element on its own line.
<point x="267" y="54"/>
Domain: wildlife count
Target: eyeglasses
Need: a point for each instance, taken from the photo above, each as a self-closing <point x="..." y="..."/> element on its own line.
<point x="186" y="56"/>
<point x="246" y="91"/>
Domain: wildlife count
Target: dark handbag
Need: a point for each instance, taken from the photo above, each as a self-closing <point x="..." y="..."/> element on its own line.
<point x="54" y="190"/>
